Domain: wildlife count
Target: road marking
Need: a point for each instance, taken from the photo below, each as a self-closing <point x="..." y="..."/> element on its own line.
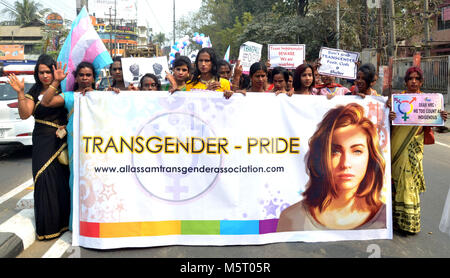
<point x="15" y="191"/>
<point x="442" y="144"/>
<point x="60" y="246"/>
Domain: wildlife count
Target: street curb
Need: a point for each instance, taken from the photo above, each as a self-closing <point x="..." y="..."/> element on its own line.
<point x="10" y="245"/>
<point x="17" y="233"/>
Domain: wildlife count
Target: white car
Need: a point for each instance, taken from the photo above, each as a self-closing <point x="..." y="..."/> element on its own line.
<point x="14" y="130"/>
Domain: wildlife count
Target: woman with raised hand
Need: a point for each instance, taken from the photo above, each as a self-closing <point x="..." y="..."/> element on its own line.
<point x="50" y="169"/>
<point x="84" y="82"/>
<point x="181" y="73"/>
<point x="407" y="145"/>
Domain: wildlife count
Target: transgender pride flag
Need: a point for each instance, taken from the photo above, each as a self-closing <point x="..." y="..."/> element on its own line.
<point x="82" y="45"/>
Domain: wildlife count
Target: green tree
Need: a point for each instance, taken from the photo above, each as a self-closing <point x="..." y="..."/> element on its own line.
<point x="309" y="22"/>
<point x="160" y="39"/>
<point x="26" y="11"/>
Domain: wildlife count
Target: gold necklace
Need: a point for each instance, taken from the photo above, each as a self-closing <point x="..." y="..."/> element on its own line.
<point x="207" y="81"/>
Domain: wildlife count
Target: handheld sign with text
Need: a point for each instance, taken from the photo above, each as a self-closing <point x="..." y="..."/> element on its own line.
<point x="338" y="63"/>
<point x="249" y="53"/>
<point x="288" y="56"/>
<point x="418" y="109"/>
<point x="135" y="68"/>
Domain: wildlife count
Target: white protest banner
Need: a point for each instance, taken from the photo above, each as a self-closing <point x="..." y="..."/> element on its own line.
<point x="249" y="53"/>
<point x="418" y="109"/>
<point x="134" y="68"/>
<point x="194" y="168"/>
<point x="338" y="63"/>
<point x="289" y="56"/>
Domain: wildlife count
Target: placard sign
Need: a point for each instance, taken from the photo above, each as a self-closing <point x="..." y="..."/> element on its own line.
<point x="135" y="68"/>
<point x="338" y="63"/>
<point x="249" y="53"/>
<point x="288" y="56"/>
<point x="418" y="109"/>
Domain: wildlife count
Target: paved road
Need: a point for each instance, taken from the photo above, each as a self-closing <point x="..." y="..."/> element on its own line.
<point x="15" y="167"/>
<point x="430" y="243"/>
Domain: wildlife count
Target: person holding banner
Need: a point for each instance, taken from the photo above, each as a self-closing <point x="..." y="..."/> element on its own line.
<point x="84" y="82"/>
<point x="317" y="77"/>
<point x="181" y="72"/>
<point x="304" y="80"/>
<point x="346" y="170"/>
<point x="258" y="78"/>
<point x="224" y="69"/>
<point x="290" y="83"/>
<point x="280" y="78"/>
<point x="205" y="76"/>
<point x="117" y="75"/>
<point x="50" y="170"/>
<point x="330" y="88"/>
<point x="148" y="82"/>
<point x="365" y="78"/>
<point x="407" y="145"/>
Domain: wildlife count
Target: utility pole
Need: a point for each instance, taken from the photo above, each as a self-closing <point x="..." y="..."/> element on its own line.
<point x="392" y="41"/>
<point x="115" y="26"/>
<point x="174" y="22"/>
<point x="380" y="33"/>
<point x="110" y="31"/>
<point x="338" y="25"/>
<point x="365" y="19"/>
<point x="427" y="29"/>
<point x="112" y="27"/>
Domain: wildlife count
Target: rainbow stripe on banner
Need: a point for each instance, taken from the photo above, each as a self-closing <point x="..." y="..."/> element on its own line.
<point x="83" y="44"/>
<point x="178" y="227"/>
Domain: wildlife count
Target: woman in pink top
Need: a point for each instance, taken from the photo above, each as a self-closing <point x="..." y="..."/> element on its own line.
<point x="330" y="88"/>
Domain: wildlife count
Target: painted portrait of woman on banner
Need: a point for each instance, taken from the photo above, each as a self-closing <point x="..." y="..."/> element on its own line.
<point x="346" y="175"/>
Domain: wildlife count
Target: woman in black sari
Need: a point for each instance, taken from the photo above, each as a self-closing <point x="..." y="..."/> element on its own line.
<point x="50" y="171"/>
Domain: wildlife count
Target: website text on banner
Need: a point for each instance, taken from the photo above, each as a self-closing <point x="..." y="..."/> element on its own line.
<point x="196" y="169"/>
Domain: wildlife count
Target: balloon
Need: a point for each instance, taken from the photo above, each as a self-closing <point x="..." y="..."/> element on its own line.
<point x="202" y="35"/>
<point x="172" y="54"/>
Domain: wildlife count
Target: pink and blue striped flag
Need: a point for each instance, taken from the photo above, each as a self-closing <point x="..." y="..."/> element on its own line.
<point x="83" y="44"/>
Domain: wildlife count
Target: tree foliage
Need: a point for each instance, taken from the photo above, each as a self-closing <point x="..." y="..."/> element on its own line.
<point x="26" y="11"/>
<point x="309" y="22"/>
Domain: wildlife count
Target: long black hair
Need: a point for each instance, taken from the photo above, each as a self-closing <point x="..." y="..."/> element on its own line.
<point x="37" y="88"/>
<point x="280" y="70"/>
<point x="152" y="76"/>
<point x="116" y="59"/>
<point x="212" y="54"/>
<point x="79" y="67"/>
<point x="297" y="84"/>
